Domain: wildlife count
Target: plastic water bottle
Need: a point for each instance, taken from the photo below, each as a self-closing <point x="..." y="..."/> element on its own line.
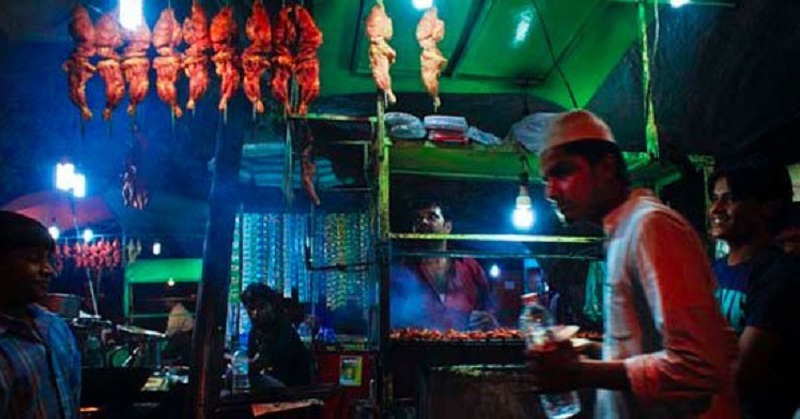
<point x="240" y="366"/>
<point x="536" y="324"/>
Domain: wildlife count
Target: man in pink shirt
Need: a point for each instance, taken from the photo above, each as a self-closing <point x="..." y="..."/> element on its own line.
<point x="439" y="292"/>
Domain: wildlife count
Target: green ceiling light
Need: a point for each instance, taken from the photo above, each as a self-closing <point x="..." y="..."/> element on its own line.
<point x="678" y="3"/>
<point x="422" y="4"/>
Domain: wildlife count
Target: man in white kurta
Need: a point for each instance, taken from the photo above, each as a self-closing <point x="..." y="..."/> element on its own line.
<point x="667" y="351"/>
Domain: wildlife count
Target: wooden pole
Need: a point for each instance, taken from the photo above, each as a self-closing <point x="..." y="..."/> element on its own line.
<point x="209" y="334"/>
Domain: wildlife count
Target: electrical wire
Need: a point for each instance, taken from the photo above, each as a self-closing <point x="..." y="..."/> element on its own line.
<point x="553" y="54"/>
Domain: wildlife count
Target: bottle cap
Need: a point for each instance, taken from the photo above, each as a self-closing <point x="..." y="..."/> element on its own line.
<point x="530" y="298"/>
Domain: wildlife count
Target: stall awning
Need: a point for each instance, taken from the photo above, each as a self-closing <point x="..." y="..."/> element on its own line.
<point x="162" y="270"/>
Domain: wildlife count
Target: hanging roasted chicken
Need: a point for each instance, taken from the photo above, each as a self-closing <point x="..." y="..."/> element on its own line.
<point x="108" y="37"/>
<point x="167" y="35"/>
<point x="224" y="34"/>
<point x="306" y="62"/>
<point x="78" y="68"/>
<point x="255" y="60"/>
<point x="430" y="31"/>
<point x="195" y="61"/>
<point x="296" y="41"/>
<point x="283" y="40"/>
<point x="136" y="65"/>
<point x="379" y="31"/>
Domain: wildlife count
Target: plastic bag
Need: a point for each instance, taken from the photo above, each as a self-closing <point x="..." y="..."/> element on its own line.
<point x="446" y="123"/>
<point x="530" y="131"/>
<point x="482" y="137"/>
<point x="404" y="126"/>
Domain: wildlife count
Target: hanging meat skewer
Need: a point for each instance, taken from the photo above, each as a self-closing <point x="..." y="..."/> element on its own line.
<point x="167" y="36"/>
<point x="254" y="59"/>
<point x="430" y="31"/>
<point x="108" y="38"/>
<point x="308" y="166"/>
<point x="306" y="61"/>
<point x="78" y="68"/>
<point x="136" y="65"/>
<point x="195" y="61"/>
<point x="283" y="40"/>
<point x="379" y="30"/>
<point x="224" y="32"/>
<point x="134" y="191"/>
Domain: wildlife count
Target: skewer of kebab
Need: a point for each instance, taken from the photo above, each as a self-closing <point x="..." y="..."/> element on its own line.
<point x="379" y="30"/>
<point x="224" y="33"/>
<point x="108" y="38"/>
<point x="283" y="41"/>
<point x="306" y="68"/>
<point x="136" y="65"/>
<point x="254" y="59"/>
<point x="195" y="61"/>
<point x="166" y="37"/>
<point x="78" y="68"/>
<point x="430" y="31"/>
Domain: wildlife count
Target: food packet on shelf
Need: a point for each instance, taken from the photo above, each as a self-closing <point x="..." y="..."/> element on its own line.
<point x="446" y="123"/>
<point x="404" y="126"/>
<point x="482" y="137"/>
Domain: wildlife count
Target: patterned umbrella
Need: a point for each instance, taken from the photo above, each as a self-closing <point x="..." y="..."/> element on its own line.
<point x="61" y="209"/>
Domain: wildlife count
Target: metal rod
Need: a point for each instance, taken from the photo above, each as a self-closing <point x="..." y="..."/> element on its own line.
<point x="497" y="255"/>
<point x="333" y="117"/>
<point x="513" y="238"/>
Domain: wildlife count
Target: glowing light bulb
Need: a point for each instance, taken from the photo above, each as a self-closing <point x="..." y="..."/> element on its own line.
<point x="55" y="233"/>
<point x="678" y="3"/>
<point x="494" y="271"/>
<point x="130" y="14"/>
<point x="422" y="4"/>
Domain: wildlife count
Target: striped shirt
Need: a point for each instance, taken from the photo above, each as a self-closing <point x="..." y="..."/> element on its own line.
<point x="40" y="369"/>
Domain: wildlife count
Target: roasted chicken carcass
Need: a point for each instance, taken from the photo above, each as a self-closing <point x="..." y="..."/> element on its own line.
<point x="78" y="68"/>
<point x="136" y="65"/>
<point x="167" y="70"/>
<point x="79" y="71"/>
<point x="430" y="31"/>
<point x="136" y="71"/>
<point x="254" y="59"/>
<point x="284" y="37"/>
<point x="379" y="31"/>
<point x="167" y="33"/>
<point x="306" y="61"/>
<point x="111" y="72"/>
<point x="81" y="30"/>
<point x="108" y="36"/>
<point x="258" y="29"/>
<point x="195" y="61"/>
<point x="223" y="38"/>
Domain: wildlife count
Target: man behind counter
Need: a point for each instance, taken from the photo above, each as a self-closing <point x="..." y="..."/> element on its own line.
<point x="274" y="348"/>
<point x="438" y="292"/>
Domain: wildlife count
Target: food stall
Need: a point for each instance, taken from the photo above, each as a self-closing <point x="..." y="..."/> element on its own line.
<point x="307" y="189"/>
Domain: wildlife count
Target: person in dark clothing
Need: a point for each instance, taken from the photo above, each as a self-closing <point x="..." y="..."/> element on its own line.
<point x="758" y="284"/>
<point x="274" y="348"/>
<point x="40" y="365"/>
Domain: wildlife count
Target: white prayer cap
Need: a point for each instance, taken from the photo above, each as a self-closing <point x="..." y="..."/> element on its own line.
<point x="572" y="126"/>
